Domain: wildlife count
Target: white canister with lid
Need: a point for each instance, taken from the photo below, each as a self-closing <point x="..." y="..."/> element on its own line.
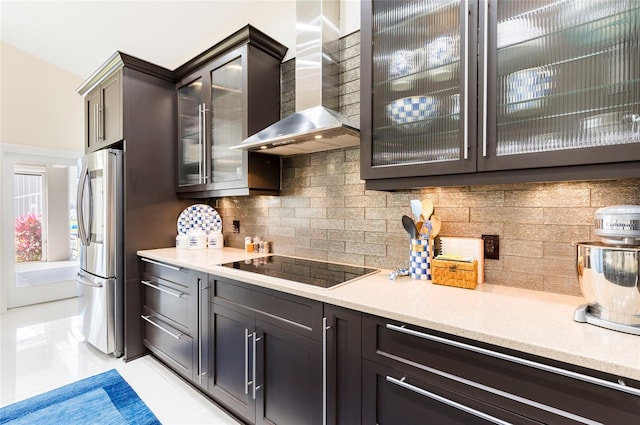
<point x="216" y="240"/>
<point x="197" y="239"/>
<point x="182" y="241"/>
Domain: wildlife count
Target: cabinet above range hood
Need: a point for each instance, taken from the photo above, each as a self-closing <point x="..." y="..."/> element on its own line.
<point x="316" y="125"/>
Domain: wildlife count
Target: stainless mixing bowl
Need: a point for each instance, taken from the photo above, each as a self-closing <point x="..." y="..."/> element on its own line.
<point x="608" y="278"/>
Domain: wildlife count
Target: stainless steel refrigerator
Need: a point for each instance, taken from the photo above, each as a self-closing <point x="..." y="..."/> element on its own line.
<point x="100" y="230"/>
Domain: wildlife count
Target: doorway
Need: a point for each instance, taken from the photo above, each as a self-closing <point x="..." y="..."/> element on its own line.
<point x="40" y="248"/>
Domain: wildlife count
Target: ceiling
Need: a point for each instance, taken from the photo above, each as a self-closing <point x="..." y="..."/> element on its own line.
<point x="78" y="36"/>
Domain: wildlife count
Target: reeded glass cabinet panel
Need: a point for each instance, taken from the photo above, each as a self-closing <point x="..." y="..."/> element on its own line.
<point x="567" y="75"/>
<point x="419" y="85"/>
<point x="190" y="133"/>
<point x="226" y="121"/>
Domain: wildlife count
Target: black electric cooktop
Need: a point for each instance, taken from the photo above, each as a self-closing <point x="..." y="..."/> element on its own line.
<point x="310" y="272"/>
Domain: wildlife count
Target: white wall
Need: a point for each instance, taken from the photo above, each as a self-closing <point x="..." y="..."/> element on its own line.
<point x="39" y="105"/>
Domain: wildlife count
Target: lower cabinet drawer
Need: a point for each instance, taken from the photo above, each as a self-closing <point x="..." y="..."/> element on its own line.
<point x="391" y="397"/>
<point x="170" y="345"/>
<point x="540" y="389"/>
<point x="170" y="299"/>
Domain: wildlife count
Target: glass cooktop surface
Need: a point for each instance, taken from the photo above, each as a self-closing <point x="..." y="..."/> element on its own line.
<point x="310" y="272"/>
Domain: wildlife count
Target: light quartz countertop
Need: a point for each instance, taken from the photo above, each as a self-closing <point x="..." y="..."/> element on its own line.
<point x="534" y="322"/>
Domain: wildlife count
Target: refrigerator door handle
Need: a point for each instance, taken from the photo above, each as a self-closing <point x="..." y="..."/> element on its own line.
<point x="82" y="233"/>
<point x="84" y="281"/>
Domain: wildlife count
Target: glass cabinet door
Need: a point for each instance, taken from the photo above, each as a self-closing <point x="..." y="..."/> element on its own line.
<point x="567" y="82"/>
<point x="421" y="81"/>
<point x="190" y="134"/>
<point x="227" y="115"/>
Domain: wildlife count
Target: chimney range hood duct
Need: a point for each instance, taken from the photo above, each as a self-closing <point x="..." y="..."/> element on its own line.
<point x="315" y="126"/>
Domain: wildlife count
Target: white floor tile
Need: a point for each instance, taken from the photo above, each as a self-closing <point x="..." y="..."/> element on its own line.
<point x="41" y="348"/>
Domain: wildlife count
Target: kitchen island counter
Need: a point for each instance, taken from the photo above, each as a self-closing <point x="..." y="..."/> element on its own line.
<point x="533" y="322"/>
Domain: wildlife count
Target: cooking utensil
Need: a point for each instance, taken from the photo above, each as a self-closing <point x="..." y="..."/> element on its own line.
<point x="436" y="224"/>
<point x="416" y="209"/>
<point x="427" y="208"/>
<point x="425" y="229"/>
<point x="410" y="226"/>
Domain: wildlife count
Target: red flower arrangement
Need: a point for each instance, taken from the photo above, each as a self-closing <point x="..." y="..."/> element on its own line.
<point x="28" y="238"/>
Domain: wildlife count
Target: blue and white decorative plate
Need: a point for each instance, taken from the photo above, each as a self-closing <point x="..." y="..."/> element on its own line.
<point x="526" y="89"/>
<point x="199" y="217"/>
<point x="413" y="109"/>
<point x="442" y="50"/>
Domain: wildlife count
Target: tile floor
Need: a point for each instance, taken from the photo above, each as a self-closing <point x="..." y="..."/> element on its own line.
<point x="42" y="349"/>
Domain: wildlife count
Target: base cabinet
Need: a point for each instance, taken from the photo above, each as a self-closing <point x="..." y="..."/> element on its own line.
<point x="174" y="301"/>
<point x="266" y="354"/>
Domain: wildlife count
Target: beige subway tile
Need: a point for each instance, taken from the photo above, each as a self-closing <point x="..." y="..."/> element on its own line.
<point x="366" y="248"/>
<point x="523" y="264"/>
<point x="350" y="213"/>
<point x="313" y="192"/>
<point x="624" y="195"/>
<point x="387" y="238"/>
<point x="521" y="248"/>
<point x="310" y="213"/>
<point x="551" y="232"/>
<point x="506" y="214"/>
<point x="346" y="235"/>
<point x="327" y="201"/>
<point x="353" y="178"/>
<point x="556" y="266"/>
<point x="328" y="245"/>
<point x="582" y="215"/>
<point x="294" y="201"/>
<point x="559" y="250"/>
<point x="452" y="214"/>
<point x="282" y="231"/>
<point x="562" y="285"/>
<point x="279" y="212"/>
<point x="296" y="241"/>
<point x="365" y="224"/>
<point x="369" y="199"/>
<point x="327" y="180"/>
<point x="297" y="222"/>
<point x="517" y="279"/>
<point x="343" y="168"/>
<point x="308" y="232"/>
<point x="346" y="190"/>
<point x="374" y="213"/>
<point x="327" y="223"/>
<point x="560" y="197"/>
<point x="462" y="198"/>
<point x="386" y="263"/>
<point x="471" y="230"/>
<point x="345" y="258"/>
<point x="317" y="168"/>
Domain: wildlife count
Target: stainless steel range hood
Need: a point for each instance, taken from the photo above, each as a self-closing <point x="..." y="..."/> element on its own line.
<point x="315" y="126"/>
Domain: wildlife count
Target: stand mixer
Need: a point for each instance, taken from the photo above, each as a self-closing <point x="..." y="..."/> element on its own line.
<point x="609" y="271"/>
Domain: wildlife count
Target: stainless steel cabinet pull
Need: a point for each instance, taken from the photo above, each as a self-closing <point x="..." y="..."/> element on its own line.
<point x="100" y="123"/>
<point x="148" y="319"/>
<point x="200" y="144"/>
<point x="166" y="291"/>
<point x="95" y="122"/>
<point x="255" y="387"/>
<point x="325" y="328"/>
<point x="204" y="143"/>
<point x="247" y="382"/>
<point x="202" y="288"/>
<point x="466" y="81"/>
<point x="157" y="263"/>
<point x="84" y="281"/>
<point x="485" y="91"/>
<point x="517" y="360"/>
<point x="448" y="402"/>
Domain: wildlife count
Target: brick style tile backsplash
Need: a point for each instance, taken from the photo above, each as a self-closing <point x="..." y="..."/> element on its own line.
<point x="324" y="211"/>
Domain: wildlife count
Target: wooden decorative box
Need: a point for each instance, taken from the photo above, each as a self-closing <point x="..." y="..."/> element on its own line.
<point x="455" y="273"/>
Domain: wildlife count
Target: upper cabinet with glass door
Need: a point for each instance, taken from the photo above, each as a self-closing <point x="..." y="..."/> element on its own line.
<point x="420" y="118"/>
<point x="226" y="94"/>
<point x="553" y="87"/>
<point x="563" y="83"/>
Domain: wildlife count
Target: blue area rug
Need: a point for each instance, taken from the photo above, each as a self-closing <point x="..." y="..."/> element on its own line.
<point x="101" y="399"/>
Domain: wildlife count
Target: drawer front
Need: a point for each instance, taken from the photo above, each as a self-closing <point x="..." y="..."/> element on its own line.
<point x="543" y="395"/>
<point x="392" y="397"/>
<point x="298" y="314"/>
<point x="171" y="300"/>
<point x="172" y="273"/>
<point x="170" y="345"/>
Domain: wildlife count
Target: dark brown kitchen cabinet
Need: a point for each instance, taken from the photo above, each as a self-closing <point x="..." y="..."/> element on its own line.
<point x="496" y="91"/>
<point x="266" y="354"/>
<point x="175" y="318"/>
<point x="103" y="113"/>
<point x="224" y="95"/>
<point x="416" y="375"/>
<point x="135" y="101"/>
<point x="343" y="388"/>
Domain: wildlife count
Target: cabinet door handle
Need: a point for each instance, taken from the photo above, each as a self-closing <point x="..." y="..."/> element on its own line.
<point x="325" y="328"/>
<point x="100" y="122"/>
<point x="444" y="400"/>
<point x="517" y="360"/>
<point x="485" y="92"/>
<point x="201" y="297"/>
<point x="253" y="381"/>
<point x="95" y="123"/>
<point x="200" y="131"/>
<point x="247" y="382"/>
<point x="204" y="144"/>
<point x="158" y="263"/>
<point x="466" y="81"/>
<point x="148" y="319"/>
<point x="166" y="291"/>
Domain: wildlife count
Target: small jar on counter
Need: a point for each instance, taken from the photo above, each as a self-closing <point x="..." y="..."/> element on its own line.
<point x="248" y="244"/>
<point x="215" y="240"/>
<point x="197" y="239"/>
<point x="182" y="241"/>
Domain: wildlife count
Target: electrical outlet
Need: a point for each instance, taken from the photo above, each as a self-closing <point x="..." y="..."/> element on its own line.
<point x="491" y="247"/>
<point x="236" y="226"/>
